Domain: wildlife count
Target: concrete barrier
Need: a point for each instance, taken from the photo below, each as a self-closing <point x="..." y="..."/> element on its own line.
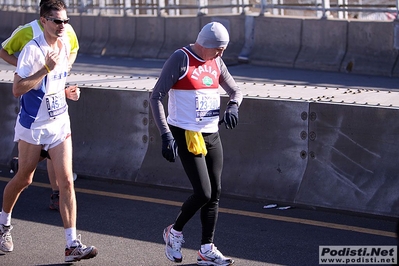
<point x="179" y="31"/>
<point x="84" y="27"/>
<point x="395" y="70"/>
<point x="30" y="17"/>
<point x="353" y="163"/>
<point x="318" y="154"/>
<point x="122" y="35"/>
<point x="323" y="44"/>
<point x="277" y="41"/>
<point x="361" y="47"/>
<point x="262" y="156"/>
<point x="5" y="28"/>
<point x="102" y="28"/>
<point x="150" y="35"/>
<point x="236" y="28"/>
<point x="370" y="48"/>
<point x="188" y="31"/>
<point x="76" y="23"/>
<point x="155" y="170"/>
<point x="9" y="21"/>
<point x="294" y="151"/>
<point x="8" y="113"/>
<point x="110" y="132"/>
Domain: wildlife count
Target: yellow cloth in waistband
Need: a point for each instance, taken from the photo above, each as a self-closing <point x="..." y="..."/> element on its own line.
<point x="195" y="142"/>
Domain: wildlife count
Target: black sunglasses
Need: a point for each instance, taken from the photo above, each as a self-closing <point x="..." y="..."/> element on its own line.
<point x="58" y="21"/>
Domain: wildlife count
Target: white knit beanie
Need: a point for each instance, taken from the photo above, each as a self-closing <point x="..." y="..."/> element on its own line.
<point x="213" y="35"/>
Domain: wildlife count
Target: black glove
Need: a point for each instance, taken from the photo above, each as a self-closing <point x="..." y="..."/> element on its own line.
<point x="230" y="117"/>
<point x="169" y="147"/>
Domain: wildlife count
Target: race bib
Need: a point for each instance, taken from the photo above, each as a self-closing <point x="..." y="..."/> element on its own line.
<point x="207" y="106"/>
<point x="56" y="103"/>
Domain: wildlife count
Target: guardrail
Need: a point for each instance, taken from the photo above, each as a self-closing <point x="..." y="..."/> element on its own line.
<point x="318" y="8"/>
<point x="298" y="145"/>
<point x="326" y="9"/>
<point x="351" y="46"/>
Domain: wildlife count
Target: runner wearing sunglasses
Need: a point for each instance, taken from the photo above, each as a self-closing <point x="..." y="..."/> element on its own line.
<point x="10" y="48"/>
<point x="43" y="124"/>
<point x="58" y="21"/>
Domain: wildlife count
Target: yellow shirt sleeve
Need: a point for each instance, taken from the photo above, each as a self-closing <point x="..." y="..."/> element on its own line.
<point x="73" y="39"/>
<point x="18" y="39"/>
<point x="23" y="34"/>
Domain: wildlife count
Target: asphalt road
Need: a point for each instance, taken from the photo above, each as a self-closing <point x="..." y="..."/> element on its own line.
<point x="126" y="221"/>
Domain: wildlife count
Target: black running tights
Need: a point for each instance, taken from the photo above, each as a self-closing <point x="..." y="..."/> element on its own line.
<point x="204" y="173"/>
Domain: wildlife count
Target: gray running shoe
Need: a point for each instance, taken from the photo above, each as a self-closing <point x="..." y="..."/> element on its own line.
<point x="213" y="257"/>
<point x="78" y="251"/>
<point x="6" y="243"/>
<point x="173" y="245"/>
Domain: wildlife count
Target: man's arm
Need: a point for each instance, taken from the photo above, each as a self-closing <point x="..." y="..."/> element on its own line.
<point x="23" y="85"/>
<point x="15" y="43"/>
<point x="169" y="75"/>
<point x="11" y="59"/>
<point x="73" y="43"/>
<point x="71" y="60"/>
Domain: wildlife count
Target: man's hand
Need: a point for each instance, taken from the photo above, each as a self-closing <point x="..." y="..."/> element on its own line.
<point x="169" y="147"/>
<point x="230" y="117"/>
<point x="72" y="93"/>
<point x="51" y="60"/>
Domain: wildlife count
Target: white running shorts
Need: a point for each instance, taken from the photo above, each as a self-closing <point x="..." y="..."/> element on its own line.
<point x="47" y="137"/>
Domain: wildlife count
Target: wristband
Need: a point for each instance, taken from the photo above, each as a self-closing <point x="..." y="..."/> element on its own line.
<point x="48" y="69"/>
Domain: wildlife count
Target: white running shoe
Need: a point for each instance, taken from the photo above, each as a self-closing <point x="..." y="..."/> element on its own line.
<point x="78" y="251"/>
<point x="213" y="257"/>
<point x="6" y="243"/>
<point x="173" y="245"/>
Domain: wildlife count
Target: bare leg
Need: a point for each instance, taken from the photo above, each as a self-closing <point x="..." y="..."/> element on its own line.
<point x="28" y="158"/>
<point x="61" y="157"/>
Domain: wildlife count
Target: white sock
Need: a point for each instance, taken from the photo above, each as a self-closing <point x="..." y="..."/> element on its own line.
<point x="5" y="218"/>
<point x="70" y="236"/>
<point x="206" y="247"/>
<point x="175" y="233"/>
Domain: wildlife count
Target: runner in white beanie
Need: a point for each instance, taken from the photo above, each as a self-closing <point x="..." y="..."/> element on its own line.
<point x="213" y="35"/>
<point x="191" y="78"/>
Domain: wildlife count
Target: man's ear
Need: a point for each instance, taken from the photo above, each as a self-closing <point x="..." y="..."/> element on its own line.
<point x="43" y="20"/>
